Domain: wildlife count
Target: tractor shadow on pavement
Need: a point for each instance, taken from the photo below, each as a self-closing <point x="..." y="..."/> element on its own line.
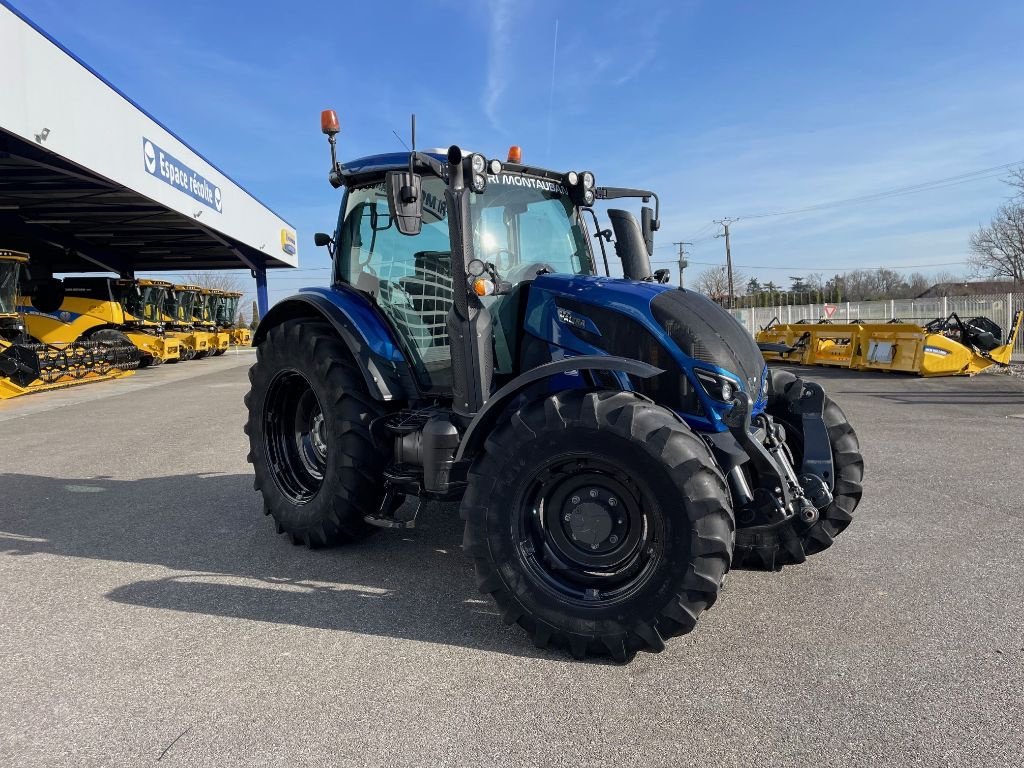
<point x="210" y="530"/>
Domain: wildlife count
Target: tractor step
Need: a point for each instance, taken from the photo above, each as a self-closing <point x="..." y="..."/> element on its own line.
<point x="393" y="500"/>
<point x="389" y="522"/>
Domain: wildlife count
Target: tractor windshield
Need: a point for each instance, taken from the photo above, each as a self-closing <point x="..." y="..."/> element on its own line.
<point x="130" y="296"/>
<point x="8" y="287"/>
<point x="201" y="309"/>
<point x="152" y="300"/>
<point x="227" y="310"/>
<point x="178" y="305"/>
<point x="520" y="223"/>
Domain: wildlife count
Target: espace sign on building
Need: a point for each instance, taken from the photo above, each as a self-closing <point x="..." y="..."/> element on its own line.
<point x="172" y="171"/>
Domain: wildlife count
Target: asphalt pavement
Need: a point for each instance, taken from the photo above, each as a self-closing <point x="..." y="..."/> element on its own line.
<point x="149" y="613"/>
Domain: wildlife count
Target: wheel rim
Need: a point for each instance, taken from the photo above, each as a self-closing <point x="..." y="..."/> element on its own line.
<point x="586" y="532"/>
<point x="296" y="436"/>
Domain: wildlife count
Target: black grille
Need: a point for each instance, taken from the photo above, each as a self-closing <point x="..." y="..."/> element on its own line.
<point x="708" y="333"/>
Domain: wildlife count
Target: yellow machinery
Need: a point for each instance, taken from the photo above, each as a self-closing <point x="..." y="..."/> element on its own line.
<point x="27" y="365"/>
<point x="943" y="347"/>
<point x="118" y="310"/>
<point x="209" y="319"/>
<point x="179" y="312"/>
<point x="226" y="316"/>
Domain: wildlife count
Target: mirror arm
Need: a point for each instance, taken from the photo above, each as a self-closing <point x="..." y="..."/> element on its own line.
<point x="614" y="193"/>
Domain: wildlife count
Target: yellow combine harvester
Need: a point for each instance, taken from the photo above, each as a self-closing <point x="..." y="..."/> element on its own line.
<point x="207" y="318"/>
<point x="226" y="316"/>
<point x="28" y="366"/>
<point x="101" y="309"/>
<point x="943" y="347"/>
<point x="179" y="313"/>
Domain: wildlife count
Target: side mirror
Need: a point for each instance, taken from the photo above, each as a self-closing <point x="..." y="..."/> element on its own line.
<point x="649" y="226"/>
<point x="405" y="200"/>
<point x="320" y="239"/>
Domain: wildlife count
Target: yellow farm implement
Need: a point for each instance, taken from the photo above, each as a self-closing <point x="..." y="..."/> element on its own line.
<point x="28" y="365"/>
<point x="943" y="347"/>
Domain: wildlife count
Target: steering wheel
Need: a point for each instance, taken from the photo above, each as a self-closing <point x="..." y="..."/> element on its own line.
<point x="527" y="272"/>
<point x="496" y="255"/>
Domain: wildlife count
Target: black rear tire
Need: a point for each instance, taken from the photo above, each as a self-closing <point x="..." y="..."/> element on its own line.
<point x="599" y="522"/>
<point x="770" y="547"/>
<point x="316" y="464"/>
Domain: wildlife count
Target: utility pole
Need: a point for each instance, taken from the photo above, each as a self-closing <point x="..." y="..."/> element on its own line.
<point x="728" y="256"/>
<point x="683" y="263"/>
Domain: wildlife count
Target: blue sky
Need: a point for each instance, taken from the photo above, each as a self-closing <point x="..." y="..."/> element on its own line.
<point x="724" y="108"/>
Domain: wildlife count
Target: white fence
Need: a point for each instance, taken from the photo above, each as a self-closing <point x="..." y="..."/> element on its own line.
<point x="998" y="307"/>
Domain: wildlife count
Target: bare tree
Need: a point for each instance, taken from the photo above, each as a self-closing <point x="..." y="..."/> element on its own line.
<point x="997" y="250"/>
<point x="713" y="282"/>
<point x="220" y="280"/>
<point x="223" y="280"/>
<point x="917" y="284"/>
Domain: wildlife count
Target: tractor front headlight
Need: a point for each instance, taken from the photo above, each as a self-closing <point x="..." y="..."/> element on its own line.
<point x="478" y="163"/>
<point x="718" y="387"/>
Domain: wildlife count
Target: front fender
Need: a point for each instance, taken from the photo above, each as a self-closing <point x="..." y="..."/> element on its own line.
<point x="364" y="331"/>
<point x="484" y="422"/>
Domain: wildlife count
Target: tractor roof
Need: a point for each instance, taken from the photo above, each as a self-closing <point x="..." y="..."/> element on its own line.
<point x="390" y="161"/>
<point x="366" y="168"/>
<point x="18" y="256"/>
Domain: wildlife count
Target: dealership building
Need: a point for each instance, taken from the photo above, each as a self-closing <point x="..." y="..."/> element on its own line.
<point x="92" y="182"/>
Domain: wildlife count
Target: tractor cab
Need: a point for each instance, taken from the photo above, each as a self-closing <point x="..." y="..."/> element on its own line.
<point x="179" y="305"/>
<point x="132" y="296"/>
<point x="227" y="312"/>
<point x="202" y="310"/>
<point x="11" y="327"/>
<point x="523" y="222"/>
<point x="153" y="296"/>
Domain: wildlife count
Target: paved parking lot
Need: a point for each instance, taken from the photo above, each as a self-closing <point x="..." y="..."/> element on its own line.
<point x="149" y="614"/>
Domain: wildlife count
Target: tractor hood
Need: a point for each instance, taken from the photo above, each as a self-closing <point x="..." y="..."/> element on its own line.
<point x="694" y="340"/>
<point x="709" y="334"/>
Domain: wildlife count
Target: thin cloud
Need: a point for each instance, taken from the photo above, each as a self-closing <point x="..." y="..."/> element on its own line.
<point x="498" y="50"/>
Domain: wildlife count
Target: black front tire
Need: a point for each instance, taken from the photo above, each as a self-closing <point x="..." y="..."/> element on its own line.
<point x="551" y="546"/>
<point x="770" y="547"/>
<point x="316" y="464"/>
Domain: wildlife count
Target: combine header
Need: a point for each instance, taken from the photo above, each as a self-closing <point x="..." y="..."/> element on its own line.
<point x="28" y="365"/>
<point x="946" y="346"/>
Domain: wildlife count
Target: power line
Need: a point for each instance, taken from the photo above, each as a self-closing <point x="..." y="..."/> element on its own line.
<point x="827" y="268"/>
<point x="925" y="186"/>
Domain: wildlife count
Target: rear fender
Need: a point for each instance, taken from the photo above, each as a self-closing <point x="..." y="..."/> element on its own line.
<point x="360" y="325"/>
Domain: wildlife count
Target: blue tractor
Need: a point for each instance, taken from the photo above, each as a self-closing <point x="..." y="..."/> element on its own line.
<point x="617" y="444"/>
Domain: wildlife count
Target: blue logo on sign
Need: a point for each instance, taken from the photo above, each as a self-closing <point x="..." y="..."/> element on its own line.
<point x="172" y="171"/>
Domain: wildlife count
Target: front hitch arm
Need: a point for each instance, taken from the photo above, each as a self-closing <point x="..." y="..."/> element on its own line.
<point x="738" y="420"/>
<point x="807" y="400"/>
